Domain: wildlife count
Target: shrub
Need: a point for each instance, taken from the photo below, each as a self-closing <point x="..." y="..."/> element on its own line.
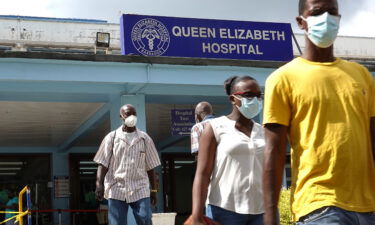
<point x="284" y="207"/>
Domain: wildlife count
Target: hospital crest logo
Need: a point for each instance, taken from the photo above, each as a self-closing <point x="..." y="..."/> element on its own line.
<point x="150" y="37"/>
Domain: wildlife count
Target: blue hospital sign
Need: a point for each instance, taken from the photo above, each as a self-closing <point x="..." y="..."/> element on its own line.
<point x="205" y="38"/>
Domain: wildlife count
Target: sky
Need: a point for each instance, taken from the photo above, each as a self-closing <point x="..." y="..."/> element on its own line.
<point x="356" y="14"/>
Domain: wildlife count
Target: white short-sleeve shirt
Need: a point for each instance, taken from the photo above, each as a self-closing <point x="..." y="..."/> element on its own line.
<point x="236" y="181"/>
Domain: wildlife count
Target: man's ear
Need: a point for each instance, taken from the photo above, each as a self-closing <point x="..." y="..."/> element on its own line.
<point x="301" y="23"/>
<point x="232" y="99"/>
<point x="199" y="118"/>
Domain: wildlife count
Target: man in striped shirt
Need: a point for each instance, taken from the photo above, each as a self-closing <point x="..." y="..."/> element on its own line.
<point x="126" y="159"/>
<point x="203" y="113"/>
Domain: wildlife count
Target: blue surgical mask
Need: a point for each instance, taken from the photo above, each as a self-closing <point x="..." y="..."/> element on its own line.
<point x="249" y="108"/>
<point x="322" y="29"/>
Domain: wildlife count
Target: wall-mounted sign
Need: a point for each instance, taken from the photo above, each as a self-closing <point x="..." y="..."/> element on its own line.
<point x="182" y="120"/>
<point x="205" y="38"/>
<point x="61" y="185"/>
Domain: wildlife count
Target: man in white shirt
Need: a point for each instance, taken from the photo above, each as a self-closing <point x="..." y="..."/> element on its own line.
<point x="126" y="159"/>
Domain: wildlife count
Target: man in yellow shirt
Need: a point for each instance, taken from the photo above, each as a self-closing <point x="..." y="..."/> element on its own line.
<point x="325" y="106"/>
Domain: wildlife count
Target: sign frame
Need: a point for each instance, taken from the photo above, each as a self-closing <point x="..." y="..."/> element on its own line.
<point x="205" y="38"/>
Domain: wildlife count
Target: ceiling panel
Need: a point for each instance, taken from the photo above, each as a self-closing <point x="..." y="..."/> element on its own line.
<point x="51" y="123"/>
<point x="96" y="135"/>
<point x="41" y="123"/>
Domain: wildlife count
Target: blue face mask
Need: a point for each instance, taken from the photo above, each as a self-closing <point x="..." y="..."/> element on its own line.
<point x="322" y="29"/>
<point x="250" y="108"/>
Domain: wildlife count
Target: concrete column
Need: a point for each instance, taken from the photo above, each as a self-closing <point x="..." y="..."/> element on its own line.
<point x="60" y="167"/>
<point x="115" y="112"/>
<point x="138" y="101"/>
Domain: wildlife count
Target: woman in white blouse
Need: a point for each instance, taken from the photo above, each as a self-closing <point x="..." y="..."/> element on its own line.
<point x="229" y="170"/>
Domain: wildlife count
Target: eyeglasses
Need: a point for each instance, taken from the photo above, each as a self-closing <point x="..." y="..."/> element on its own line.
<point x="250" y="94"/>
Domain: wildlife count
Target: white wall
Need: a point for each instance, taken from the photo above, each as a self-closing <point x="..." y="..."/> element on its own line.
<point x="46" y="33"/>
<point x="54" y="33"/>
<point x="351" y="47"/>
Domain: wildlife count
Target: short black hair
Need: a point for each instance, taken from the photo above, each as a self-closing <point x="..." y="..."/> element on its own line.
<point x="231" y="82"/>
<point x="301" y="6"/>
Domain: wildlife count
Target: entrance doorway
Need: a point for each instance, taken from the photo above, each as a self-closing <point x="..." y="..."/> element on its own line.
<point x="83" y="177"/>
<point x="178" y="176"/>
<point x="33" y="170"/>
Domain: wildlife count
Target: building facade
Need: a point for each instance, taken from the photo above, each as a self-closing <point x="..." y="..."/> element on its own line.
<point x="60" y="95"/>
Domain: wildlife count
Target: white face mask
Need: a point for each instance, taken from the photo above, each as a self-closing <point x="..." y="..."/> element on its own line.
<point x="130" y="121"/>
<point x="322" y="29"/>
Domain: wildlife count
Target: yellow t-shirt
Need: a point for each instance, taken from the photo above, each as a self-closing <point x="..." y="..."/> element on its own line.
<point x="327" y="107"/>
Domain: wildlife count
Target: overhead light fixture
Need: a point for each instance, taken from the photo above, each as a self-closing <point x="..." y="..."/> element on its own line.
<point x="10" y="168"/>
<point x="7" y="174"/>
<point x="87" y="162"/>
<point x="87" y="172"/>
<point x="184" y="162"/>
<point x="88" y="168"/>
<point x="11" y="163"/>
<point x="102" y="39"/>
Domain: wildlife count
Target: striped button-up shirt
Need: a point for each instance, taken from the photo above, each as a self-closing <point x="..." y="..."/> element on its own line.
<point x="127" y="164"/>
<point x="196" y="132"/>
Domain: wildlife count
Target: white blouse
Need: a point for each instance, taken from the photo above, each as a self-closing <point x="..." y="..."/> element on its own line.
<point x="236" y="181"/>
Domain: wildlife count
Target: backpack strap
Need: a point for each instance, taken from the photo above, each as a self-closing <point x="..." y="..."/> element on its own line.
<point x="113" y="145"/>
